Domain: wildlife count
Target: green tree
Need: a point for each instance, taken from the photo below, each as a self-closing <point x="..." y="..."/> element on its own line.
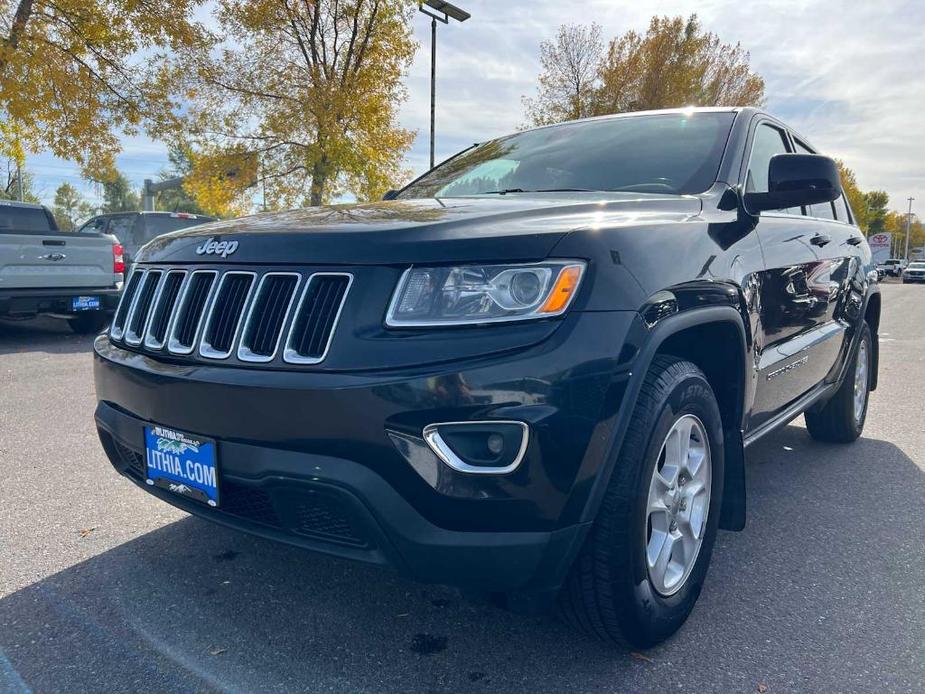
<point x="70" y="207"/>
<point x="877" y="212"/>
<point x="181" y="166"/>
<point x="77" y="74"/>
<point x="118" y="195"/>
<point x="298" y="96"/>
<point x="675" y="63"/>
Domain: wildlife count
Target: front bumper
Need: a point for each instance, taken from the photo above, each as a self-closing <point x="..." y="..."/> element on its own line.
<point x="32" y="302"/>
<point x="335" y="462"/>
<point x="913" y="278"/>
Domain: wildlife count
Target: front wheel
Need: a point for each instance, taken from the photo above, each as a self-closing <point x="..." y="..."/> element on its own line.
<point x="644" y="562"/>
<point x="841" y="419"/>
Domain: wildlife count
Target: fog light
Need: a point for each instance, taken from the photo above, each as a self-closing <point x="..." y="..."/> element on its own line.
<point x="485" y="448"/>
<point x="495" y="443"/>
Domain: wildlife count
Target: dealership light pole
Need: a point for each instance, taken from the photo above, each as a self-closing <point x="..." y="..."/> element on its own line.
<point x="908" y="229"/>
<point x="441" y="11"/>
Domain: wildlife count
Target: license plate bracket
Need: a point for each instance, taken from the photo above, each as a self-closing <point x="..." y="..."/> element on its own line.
<point x="85" y="303"/>
<point x="182" y="463"/>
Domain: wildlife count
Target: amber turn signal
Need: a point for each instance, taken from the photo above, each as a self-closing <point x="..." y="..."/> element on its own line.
<point x="564" y="289"/>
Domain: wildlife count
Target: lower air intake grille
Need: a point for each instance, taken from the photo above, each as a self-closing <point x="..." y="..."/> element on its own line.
<point x="316" y="318"/>
<point x="323" y="517"/>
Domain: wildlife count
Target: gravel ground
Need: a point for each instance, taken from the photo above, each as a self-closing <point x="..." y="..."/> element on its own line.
<point x="103" y="588"/>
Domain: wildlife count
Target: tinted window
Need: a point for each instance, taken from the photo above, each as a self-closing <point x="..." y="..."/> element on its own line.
<point x="23" y="219"/>
<point x="121" y="227"/>
<point x="95" y="226"/>
<point x="768" y="141"/>
<point x="155" y="225"/>
<point x="844" y="211"/>
<point x="670" y="153"/>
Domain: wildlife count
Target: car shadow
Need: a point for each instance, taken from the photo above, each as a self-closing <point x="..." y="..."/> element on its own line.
<point x="48" y="335"/>
<point x="194" y="606"/>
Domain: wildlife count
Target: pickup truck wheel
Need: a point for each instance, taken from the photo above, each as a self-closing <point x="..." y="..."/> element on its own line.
<point x="841" y="419"/>
<point x="89" y="323"/>
<point x="643" y="564"/>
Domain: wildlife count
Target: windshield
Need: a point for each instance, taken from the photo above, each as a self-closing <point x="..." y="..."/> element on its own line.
<point x="917" y="266"/>
<point x="673" y="153"/>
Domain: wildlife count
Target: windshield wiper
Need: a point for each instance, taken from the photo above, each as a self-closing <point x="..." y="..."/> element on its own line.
<point x="542" y="190"/>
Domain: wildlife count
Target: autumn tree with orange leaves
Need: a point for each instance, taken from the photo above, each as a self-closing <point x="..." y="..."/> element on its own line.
<point x="675" y="63"/>
<point x="300" y="98"/>
<point x="77" y="75"/>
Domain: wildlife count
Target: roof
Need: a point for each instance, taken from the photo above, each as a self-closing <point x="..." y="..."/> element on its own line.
<point x="17" y="203"/>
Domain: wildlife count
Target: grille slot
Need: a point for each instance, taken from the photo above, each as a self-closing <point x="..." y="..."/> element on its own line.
<point x="225" y="316"/>
<point x="138" y="318"/>
<point x="125" y="304"/>
<point x="266" y="316"/>
<point x="192" y="308"/>
<point x="164" y="304"/>
<point x="316" y="317"/>
<point x="317" y="515"/>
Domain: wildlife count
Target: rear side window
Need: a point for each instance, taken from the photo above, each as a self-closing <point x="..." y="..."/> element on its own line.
<point x="95" y="226"/>
<point x="823" y="211"/>
<point x="14" y="219"/>
<point x="121" y="227"/>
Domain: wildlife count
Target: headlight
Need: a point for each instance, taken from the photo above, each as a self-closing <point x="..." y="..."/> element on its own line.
<point x="471" y="294"/>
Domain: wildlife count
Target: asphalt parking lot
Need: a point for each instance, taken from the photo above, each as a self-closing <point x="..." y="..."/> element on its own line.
<point x="103" y="588"/>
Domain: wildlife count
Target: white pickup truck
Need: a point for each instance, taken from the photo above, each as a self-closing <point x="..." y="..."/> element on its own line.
<point x="44" y="271"/>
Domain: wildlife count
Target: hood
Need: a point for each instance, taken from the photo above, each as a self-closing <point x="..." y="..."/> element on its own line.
<point x="514" y="227"/>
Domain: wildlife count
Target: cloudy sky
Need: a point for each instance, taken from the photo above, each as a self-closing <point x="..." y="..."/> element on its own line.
<point x="847" y="74"/>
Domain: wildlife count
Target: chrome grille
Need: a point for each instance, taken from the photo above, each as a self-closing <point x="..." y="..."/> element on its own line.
<point x="136" y="323"/>
<point x="193" y="303"/>
<point x="164" y="304"/>
<point x="266" y="316"/>
<point x="316" y="318"/>
<point x="252" y="317"/>
<point x="225" y="317"/>
<point x="125" y="304"/>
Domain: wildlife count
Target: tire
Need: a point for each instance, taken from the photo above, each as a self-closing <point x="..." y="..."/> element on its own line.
<point x="841" y="419"/>
<point x="610" y="593"/>
<point x="89" y="323"/>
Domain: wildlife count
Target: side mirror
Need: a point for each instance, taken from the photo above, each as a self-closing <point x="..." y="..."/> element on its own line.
<point x="390" y="195"/>
<point x="797" y="179"/>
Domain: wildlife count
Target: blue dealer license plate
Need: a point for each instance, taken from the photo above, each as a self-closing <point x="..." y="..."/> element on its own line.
<point x="181" y="463"/>
<point x="85" y="303"/>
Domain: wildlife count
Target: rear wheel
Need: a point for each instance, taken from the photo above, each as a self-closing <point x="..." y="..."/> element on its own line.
<point x="841" y="419"/>
<point x="89" y="323"/>
<point x="643" y="565"/>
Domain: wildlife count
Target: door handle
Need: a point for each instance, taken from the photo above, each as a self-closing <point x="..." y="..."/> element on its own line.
<point x="855" y="240"/>
<point x="820" y="240"/>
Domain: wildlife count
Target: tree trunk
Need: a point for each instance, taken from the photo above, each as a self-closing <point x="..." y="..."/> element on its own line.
<point x="319" y="180"/>
<point x="23" y="13"/>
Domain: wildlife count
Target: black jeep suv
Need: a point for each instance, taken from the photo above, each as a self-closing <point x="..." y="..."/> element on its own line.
<point x="533" y="372"/>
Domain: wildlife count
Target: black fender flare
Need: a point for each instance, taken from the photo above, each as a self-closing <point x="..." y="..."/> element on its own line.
<point x="732" y="515"/>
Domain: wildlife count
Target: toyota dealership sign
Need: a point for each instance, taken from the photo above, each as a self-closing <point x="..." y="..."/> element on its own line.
<point x="880" y="245"/>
